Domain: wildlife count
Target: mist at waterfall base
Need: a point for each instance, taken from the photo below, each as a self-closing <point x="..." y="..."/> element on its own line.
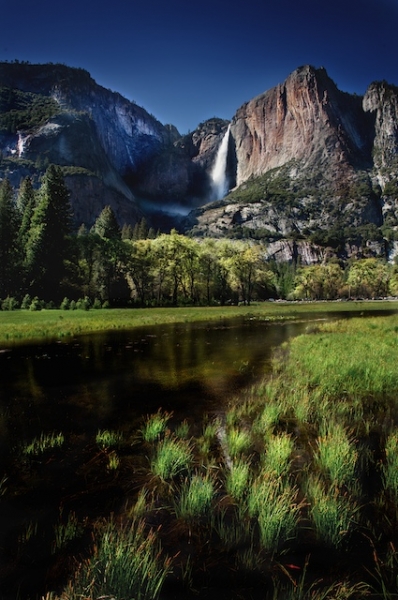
<point x="219" y="177"/>
<point x="166" y="215"/>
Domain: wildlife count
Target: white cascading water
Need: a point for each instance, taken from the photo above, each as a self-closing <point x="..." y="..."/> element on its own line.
<point x="219" y="179"/>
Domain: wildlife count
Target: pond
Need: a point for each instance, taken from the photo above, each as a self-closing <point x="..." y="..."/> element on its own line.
<point x="107" y="381"/>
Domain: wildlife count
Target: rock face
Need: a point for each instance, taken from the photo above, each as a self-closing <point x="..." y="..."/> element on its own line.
<point x="304" y="158"/>
<point x="94" y="129"/>
<point x="310" y="158"/>
<point x="305" y="119"/>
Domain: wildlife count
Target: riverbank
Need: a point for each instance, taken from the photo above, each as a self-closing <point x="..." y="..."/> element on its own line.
<point x="25" y="325"/>
<point x="292" y="493"/>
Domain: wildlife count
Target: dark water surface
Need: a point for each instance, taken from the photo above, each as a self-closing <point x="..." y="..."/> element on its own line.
<point x="111" y="381"/>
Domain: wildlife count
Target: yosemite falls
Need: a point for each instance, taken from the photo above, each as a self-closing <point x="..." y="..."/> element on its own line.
<point x="219" y="178"/>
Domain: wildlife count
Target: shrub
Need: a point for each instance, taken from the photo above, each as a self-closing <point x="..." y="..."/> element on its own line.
<point x="65" y="304"/>
<point x="26" y="302"/>
<point x="9" y="303"/>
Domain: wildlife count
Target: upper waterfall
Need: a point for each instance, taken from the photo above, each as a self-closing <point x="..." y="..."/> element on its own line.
<point x="219" y="178"/>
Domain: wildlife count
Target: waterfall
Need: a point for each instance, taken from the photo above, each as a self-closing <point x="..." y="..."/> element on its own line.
<point x="219" y="179"/>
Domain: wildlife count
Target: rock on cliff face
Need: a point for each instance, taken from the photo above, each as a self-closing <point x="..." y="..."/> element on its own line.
<point x="97" y="130"/>
<point x="305" y="119"/>
<point x="381" y="100"/>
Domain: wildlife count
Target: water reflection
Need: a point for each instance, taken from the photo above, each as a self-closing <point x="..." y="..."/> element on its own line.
<point x="114" y="379"/>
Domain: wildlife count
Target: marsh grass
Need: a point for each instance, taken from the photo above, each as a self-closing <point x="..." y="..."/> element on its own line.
<point x="390" y="467"/>
<point x="127" y="562"/>
<point x="336" y="454"/>
<point x="113" y="461"/>
<point x="106" y="438"/>
<point x="332" y="513"/>
<point x="274" y="504"/>
<point x="155" y="426"/>
<point x="195" y="497"/>
<point x="237" y="479"/>
<point x="67" y="531"/>
<point x="43" y="443"/>
<point x="182" y="430"/>
<point x="172" y="457"/>
<point x="238" y="441"/>
<point x="234" y="529"/>
<point x="276" y="459"/>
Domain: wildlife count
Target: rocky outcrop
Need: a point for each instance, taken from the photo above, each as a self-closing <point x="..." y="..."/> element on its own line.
<point x="381" y="100"/>
<point x="97" y="130"/>
<point x="307" y="120"/>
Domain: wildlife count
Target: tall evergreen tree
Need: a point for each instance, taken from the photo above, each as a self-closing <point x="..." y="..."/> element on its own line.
<point x="47" y="244"/>
<point x="8" y="241"/>
<point x="106" y="225"/>
<point x="26" y="202"/>
<point x="112" y="250"/>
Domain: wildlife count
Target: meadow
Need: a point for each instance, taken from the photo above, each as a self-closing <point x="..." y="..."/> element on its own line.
<point x="291" y="493"/>
<point x="25" y="325"/>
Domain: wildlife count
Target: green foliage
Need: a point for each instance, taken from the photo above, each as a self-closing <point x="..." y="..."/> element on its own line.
<point x="24" y="111"/>
<point x="47" y="243"/>
<point x="9" y="303"/>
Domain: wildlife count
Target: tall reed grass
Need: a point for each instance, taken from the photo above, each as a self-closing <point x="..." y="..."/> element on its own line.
<point x="127" y="562"/>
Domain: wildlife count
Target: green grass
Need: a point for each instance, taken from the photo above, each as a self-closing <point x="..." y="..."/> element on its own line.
<point x="195" y="497"/>
<point x="155" y="426"/>
<point x="46" y="441"/>
<point x="22" y="325"/>
<point x="109" y="439"/>
<point x="332" y="513"/>
<point x="172" y="457"/>
<point x="126" y="563"/>
<point x="336" y="454"/>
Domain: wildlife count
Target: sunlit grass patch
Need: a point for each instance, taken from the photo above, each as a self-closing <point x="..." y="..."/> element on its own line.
<point x="237" y="479"/>
<point x="46" y="441"/>
<point x="155" y="426"/>
<point x="276" y="459"/>
<point x="331" y="512"/>
<point x="106" y="438"/>
<point x="336" y="454"/>
<point x="238" y="441"/>
<point x="172" y="457"/>
<point x="195" y="497"/>
<point x="126" y="563"/>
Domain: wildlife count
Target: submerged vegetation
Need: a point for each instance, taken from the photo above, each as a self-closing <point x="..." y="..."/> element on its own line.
<point x="290" y="493"/>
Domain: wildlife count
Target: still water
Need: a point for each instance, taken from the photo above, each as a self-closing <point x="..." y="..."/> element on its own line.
<point x="114" y="380"/>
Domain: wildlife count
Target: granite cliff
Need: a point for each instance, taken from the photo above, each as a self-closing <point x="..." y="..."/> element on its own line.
<point x="304" y="159"/>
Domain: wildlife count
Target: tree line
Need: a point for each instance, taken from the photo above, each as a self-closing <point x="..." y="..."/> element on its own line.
<point x="45" y="262"/>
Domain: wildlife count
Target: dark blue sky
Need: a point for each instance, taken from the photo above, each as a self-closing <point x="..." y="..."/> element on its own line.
<point x="187" y="61"/>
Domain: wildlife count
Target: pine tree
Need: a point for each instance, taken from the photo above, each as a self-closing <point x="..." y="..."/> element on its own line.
<point x="106" y="224"/>
<point x="8" y="241"/>
<point x="47" y="244"/>
<point x="26" y="202"/>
